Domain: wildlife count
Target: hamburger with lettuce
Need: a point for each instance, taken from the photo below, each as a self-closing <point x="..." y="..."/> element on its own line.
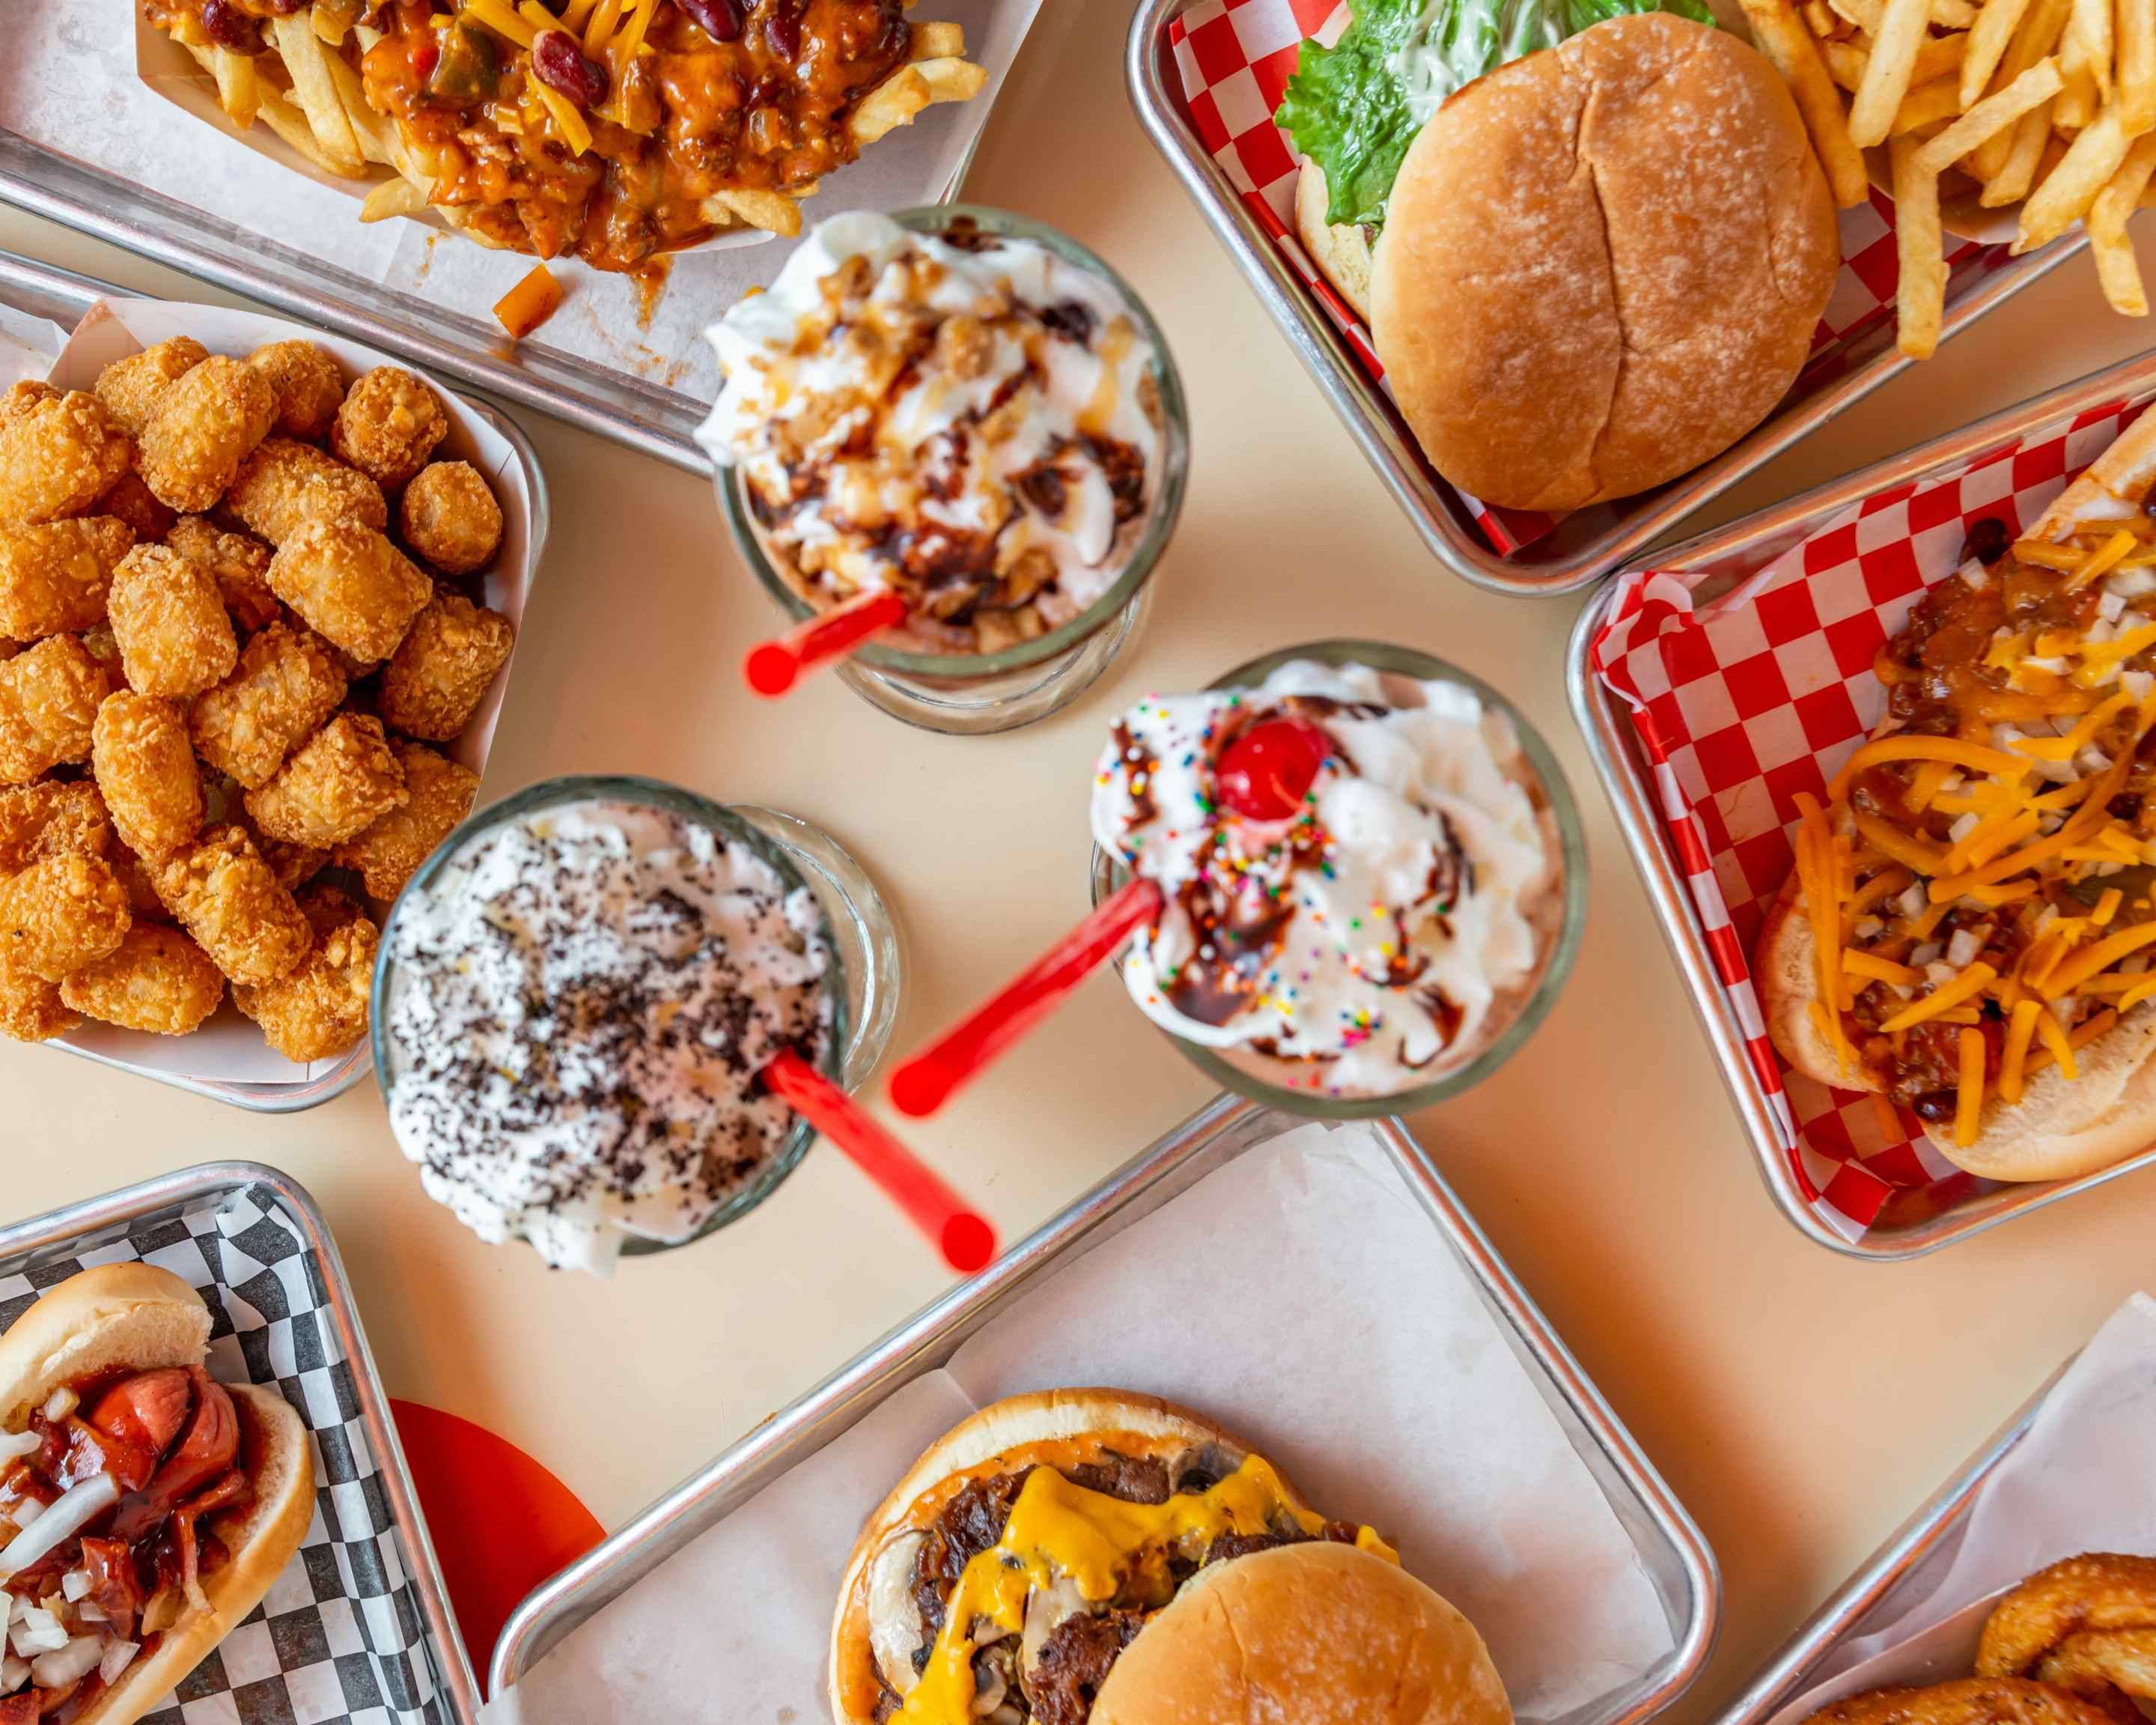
<point x="1590" y="237"/>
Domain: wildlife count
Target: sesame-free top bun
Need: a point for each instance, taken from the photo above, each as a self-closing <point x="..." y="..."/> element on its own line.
<point x="1602" y="265"/>
<point x="1318" y="1633"/>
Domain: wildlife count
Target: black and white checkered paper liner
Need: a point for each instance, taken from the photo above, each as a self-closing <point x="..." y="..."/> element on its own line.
<point x="340" y="1636"/>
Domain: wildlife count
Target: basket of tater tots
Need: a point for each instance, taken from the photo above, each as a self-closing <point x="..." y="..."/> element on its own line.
<point x="260" y="590"/>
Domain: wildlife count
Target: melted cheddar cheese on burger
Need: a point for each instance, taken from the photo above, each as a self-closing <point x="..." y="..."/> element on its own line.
<point x="1009" y="1571"/>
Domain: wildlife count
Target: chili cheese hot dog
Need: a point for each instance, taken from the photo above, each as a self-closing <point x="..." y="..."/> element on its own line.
<point x="1970" y="928"/>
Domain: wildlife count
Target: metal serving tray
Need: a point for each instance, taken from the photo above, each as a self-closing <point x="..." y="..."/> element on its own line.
<point x="341" y="1407"/>
<point x="62" y="297"/>
<point x="1735" y="551"/>
<point x="1909" y="1566"/>
<point x="1671" y="1550"/>
<point x="1586" y="544"/>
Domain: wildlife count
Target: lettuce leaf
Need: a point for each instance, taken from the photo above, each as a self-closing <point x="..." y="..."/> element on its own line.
<point x="1355" y="107"/>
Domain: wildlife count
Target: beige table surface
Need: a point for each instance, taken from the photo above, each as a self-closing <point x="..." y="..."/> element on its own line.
<point x="1800" y="1404"/>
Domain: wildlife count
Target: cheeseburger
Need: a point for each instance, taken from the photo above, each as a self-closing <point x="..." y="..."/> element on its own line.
<point x="1054" y="1538"/>
<point x="1593" y="268"/>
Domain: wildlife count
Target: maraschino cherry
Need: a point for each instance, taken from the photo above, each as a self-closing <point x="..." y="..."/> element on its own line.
<point x="1264" y="773"/>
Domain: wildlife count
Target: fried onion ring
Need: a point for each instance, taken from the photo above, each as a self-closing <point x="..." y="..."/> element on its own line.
<point x="1969" y="1700"/>
<point x="2120" y="1659"/>
<point x="2083" y="1600"/>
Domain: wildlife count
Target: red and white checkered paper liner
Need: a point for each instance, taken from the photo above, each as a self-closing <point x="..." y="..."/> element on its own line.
<point x="1234" y="57"/>
<point x="1749" y="697"/>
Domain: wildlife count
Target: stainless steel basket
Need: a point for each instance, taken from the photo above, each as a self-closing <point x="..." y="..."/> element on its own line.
<point x="1671" y="1551"/>
<point x="283" y="1271"/>
<point x="1729" y="553"/>
<point x="1585" y="545"/>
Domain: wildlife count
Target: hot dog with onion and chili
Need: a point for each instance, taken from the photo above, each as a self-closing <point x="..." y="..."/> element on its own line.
<point x="1970" y="928"/>
<point x="145" y="1508"/>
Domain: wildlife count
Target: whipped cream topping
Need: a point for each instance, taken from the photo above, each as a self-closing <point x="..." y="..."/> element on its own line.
<point x="971" y="419"/>
<point x="1380" y="936"/>
<point x="582" y="1005"/>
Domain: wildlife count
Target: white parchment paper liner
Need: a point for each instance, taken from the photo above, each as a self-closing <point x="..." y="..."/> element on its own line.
<point x="1297" y="1295"/>
<point x="228" y="1048"/>
<point x="2083" y="1479"/>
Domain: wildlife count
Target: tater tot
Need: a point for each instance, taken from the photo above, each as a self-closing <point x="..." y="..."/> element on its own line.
<point x="319" y="1008"/>
<point x="293" y="865"/>
<point x="388" y="426"/>
<point x="224" y="894"/>
<point x="62" y="913"/>
<point x="353" y="587"/>
<point x="54" y="576"/>
<point x="286" y="684"/>
<point x="132" y="501"/>
<point x="170" y="621"/>
<point x="31" y="1009"/>
<point x="446" y="664"/>
<point x="22" y="395"/>
<point x="336" y="785"/>
<point x="49" y="701"/>
<point x="130" y="388"/>
<point x="309" y="385"/>
<point x="438" y="793"/>
<point x="156" y="980"/>
<point x="60" y="458"/>
<point x="49" y="819"/>
<point x="283" y="484"/>
<point x="450" y="518"/>
<point x="133" y="875"/>
<point x="145" y="771"/>
<point x="238" y="563"/>
<point x="201" y="428"/>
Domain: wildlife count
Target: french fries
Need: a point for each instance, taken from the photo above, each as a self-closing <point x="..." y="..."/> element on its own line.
<point x="1784" y="39"/>
<point x="307" y="89"/>
<point x="1920" y="249"/>
<point x="2048" y="106"/>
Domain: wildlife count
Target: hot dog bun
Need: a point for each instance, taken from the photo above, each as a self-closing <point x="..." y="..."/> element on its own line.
<point x="1319" y="1634"/>
<point x="1057" y="1428"/>
<point x="137" y="1315"/>
<point x="2060" y="1128"/>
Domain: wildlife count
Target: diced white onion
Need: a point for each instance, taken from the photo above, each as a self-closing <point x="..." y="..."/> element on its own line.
<point x="1869" y="928"/>
<point x="16" y="1607"/>
<point x="2056" y="772"/>
<point x="1974" y="574"/>
<point x="2062" y="724"/>
<point x="61" y="1520"/>
<point x="2055" y="666"/>
<point x="14" y="1445"/>
<point x="1938" y="974"/>
<point x="1964" y="826"/>
<point x="2102" y="630"/>
<point x="2138" y="684"/>
<point x="38" y="1632"/>
<point x="2062" y="1009"/>
<point x="14" y="1673"/>
<point x="74" y="1585"/>
<point x="2104" y="870"/>
<point x="1962" y="948"/>
<point x="61" y="1403"/>
<point x="2132" y="583"/>
<point x="1927" y="954"/>
<point x="1914" y="898"/>
<point x="68" y="1664"/>
<point x="2092" y="760"/>
<point x="2112" y="606"/>
<point x="117" y="1658"/>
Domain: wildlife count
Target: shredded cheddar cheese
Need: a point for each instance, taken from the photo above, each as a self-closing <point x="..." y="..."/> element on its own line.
<point x="1959" y="880"/>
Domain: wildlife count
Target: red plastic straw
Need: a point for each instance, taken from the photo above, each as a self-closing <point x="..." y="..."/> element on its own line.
<point x="965" y="1238"/>
<point x="773" y="667"/>
<point x="925" y="1083"/>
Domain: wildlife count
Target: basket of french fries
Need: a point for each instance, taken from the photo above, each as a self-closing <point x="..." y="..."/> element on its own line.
<point x="553" y="130"/>
<point x="2005" y="121"/>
